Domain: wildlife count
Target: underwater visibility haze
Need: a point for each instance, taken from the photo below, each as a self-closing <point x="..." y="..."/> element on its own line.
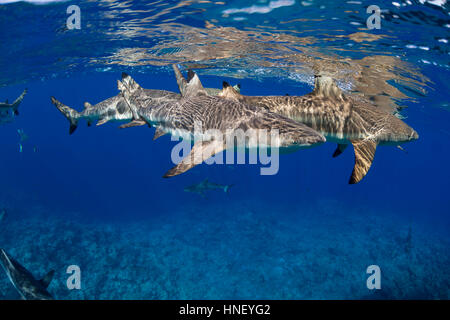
<point x="106" y="202"/>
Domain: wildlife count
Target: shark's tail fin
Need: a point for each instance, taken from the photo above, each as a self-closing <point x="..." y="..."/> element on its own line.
<point x="16" y="103"/>
<point x="71" y="114"/>
<point x="227" y="188"/>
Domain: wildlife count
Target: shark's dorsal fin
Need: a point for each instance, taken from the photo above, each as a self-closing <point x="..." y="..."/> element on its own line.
<point x="229" y="92"/>
<point x="364" y="154"/>
<point x="194" y="87"/>
<point x="127" y="87"/>
<point x="201" y="151"/>
<point x="181" y="81"/>
<point x="45" y="281"/>
<point x="340" y="148"/>
<point x="130" y="83"/>
<point x="87" y="105"/>
<point x="158" y="133"/>
<point x="325" y="86"/>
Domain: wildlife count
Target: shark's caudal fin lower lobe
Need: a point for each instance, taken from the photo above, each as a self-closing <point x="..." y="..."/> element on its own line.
<point x="71" y="114"/>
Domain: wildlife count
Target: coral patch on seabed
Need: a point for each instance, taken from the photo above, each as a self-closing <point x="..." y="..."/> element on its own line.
<point x="244" y="253"/>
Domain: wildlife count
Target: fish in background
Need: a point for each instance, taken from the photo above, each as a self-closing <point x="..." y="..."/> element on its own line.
<point x="205" y="185"/>
<point x="28" y="287"/>
<point x="115" y="109"/>
<point x="221" y="115"/>
<point x="23" y="136"/>
<point x="9" y="110"/>
<point x="341" y="118"/>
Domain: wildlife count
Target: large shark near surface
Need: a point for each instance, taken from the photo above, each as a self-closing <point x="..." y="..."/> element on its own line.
<point x="9" y="110"/>
<point x="28" y="287"/>
<point x="179" y="118"/>
<point x="115" y="109"/>
<point x="341" y="118"/>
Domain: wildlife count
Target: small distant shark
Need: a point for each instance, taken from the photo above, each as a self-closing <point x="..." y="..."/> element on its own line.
<point x="3" y="214"/>
<point x="8" y="111"/>
<point x="205" y="185"/>
<point x="339" y="117"/>
<point x="28" y="287"/>
<point x="115" y="109"/>
<point x="226" y="116"/>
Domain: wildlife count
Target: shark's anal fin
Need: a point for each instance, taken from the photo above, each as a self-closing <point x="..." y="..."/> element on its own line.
<point x="200" y="152"/>
<point x="340" y="148"/>
<point x="134" y="123"/>
<point x="45" y="281"/>
<point x="364" y="154"/>
<point x="158" y="133"/>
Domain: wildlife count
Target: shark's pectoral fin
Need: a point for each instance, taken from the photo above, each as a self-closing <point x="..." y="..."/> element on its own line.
<point x="340" y="148"/>
<point x="364" y="154"/>
<point x="158" y="133"/>
<point x="200" y="152"/>
<point x="134" y="123"/>
<point x="45" y="281"/>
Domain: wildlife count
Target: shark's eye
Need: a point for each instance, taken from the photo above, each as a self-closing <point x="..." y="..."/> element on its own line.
<point x="121" y="107"/>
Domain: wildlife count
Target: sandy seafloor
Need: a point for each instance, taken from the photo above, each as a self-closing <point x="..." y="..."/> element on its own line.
<point x="238" y="252"/>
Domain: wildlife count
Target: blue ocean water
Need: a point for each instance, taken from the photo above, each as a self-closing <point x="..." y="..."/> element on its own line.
<point x="97" y="198"/>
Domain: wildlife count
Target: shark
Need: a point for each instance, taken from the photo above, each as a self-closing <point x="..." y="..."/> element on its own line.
<point x="115" y="109"/>
<point x="28" y="287"/>
<point x="179" y="118"/>
<point x="205" y="185"/>
<point x="3" y="214"/>
<point x="9" y="110"/>
<point x="341" y="118"/>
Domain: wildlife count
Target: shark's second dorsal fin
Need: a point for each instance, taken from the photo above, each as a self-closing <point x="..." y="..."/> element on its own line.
<point x="229" y="92"/>
<point x="364" y="154"/>
<point x="325" y="86"/>
<point x="45" y="281"/>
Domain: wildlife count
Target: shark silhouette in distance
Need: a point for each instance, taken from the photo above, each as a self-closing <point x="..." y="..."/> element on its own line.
<point x="28" y="287"/>
<point x="115" y="109"/>
<point x="339" y="117"/>
<point x="205" y="185"/>
<point x="9" y="110"/>
<point x="226" y="116"/>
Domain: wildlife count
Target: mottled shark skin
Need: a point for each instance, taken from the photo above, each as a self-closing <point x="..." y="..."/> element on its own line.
<point x="339" y="117"/>
<point x="205" y="185"/>
<point x="225" y="116"/>
<point x="28" y="287"/>
<point x="112" y="109"/>
<point x="115" y="109"/>
<point x="9" y="110"/>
